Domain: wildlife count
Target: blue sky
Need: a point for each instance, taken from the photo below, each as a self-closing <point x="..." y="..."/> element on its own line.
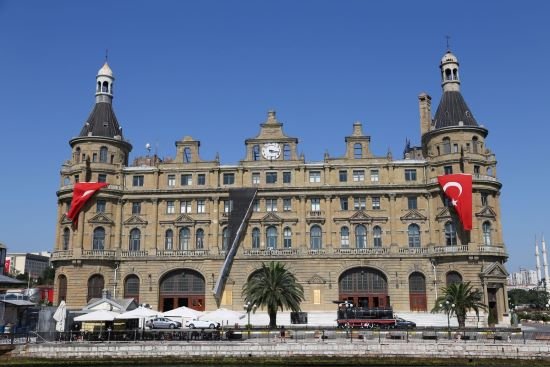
<point x="212" y="70"/>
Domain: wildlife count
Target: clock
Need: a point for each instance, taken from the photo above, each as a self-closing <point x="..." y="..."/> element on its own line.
<point x="271" y="150"/>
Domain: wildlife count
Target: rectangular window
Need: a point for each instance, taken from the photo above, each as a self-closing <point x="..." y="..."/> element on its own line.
<point x="227" y="206"/>
<point x="271" y="177"/>
<point x="100" y="206"/>
<point x="315" y="176"/>
<point x="344" y="204"/>
<point x="170" y="208"/>
<point x="374" y="175"/>
<point x="102" y="177"/>
<point x="136" y="207"/>
<point x="476" y="171"/>
<point x="358" y="175"/>
<point x="376" y="202"/>
<point x="286" y="177"/>
<point x="255" y="178"/>
<point x="448" y="170"/>
<point x="185" y="206"/>
<point x="256" y="206"/>
<point x="287" y="204"/>
<point x="271" y="205"/>
<point x="412" y="202"/>
<point x="76" y="179"/>
<point x="455" y="148"/>
<point x="410" y="175"/>
<point x="137" y="180"/>
<point x="201" y="206"/>
<point x="343" y="176"/>
<point x="484" y="199"/>
<point x="359" y="203"/>
<point x="201" y="179"/>
<point x="186" y="179"/>
<point x="315" y="204"/>
<point x="316" y="296"/>
<point x="171" y="180"/>
<point x="228" y="178"/>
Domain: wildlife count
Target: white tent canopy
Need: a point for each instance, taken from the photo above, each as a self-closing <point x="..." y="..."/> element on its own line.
<point x="183" y="312"/>
<point x="139" y="313"/>
<point x="60" y="315"/>
<point x="100" y="315"/>
<point x="223" y="316"/>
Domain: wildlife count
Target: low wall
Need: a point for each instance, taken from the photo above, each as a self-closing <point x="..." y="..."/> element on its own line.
<point x="247" y="350"/>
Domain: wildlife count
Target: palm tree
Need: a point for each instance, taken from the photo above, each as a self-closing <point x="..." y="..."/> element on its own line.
<point x="274" y="287"/>
<point x="458" y="299"/>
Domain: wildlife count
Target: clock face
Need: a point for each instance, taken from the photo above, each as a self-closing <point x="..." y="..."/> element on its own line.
<point x="271" y="150"/>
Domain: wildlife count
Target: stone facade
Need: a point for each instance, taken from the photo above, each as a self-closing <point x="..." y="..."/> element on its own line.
<point x="372" y="229"/>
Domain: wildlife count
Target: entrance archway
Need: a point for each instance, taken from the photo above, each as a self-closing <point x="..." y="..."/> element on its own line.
<point x="182" y="287"/>
<point x="364" y="287"/>
<point x="417" y="292"/>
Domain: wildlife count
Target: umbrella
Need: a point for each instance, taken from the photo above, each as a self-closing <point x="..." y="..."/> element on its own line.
<point x="60" y="315"/>
<point x="100" y="315"/>
<point x="223" y="315"/>
<point x="139" y="313"/>
<point x="184" y="312"/>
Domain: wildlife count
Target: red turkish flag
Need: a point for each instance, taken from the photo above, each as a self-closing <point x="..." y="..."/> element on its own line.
<point x="458" y="188"/>
<point x="82" y="192"/>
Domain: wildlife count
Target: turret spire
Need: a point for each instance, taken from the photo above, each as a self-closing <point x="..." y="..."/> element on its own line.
<point x="105" y="79"/>
<point x="449" y="72"/>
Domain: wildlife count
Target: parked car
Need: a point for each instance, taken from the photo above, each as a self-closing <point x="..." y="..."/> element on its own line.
<point x="404" y="324"/>
<point x="163" y="323"/>
<point x="201" y="324"/>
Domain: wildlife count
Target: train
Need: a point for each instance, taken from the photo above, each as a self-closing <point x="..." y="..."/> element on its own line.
<point x="350" y="316"/>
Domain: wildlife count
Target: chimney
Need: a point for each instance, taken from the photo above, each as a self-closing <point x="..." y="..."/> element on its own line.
<point x="425" y="106"/>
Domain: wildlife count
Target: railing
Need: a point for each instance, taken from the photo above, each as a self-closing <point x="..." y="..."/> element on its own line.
<point x="315" y="213"/>
<point x="271" y="252"/>
<point x="413" y="250"/>
<point x="62" y="254"/>
<point x="361" y="251"/>
<point x="99" y="253"/>
<point x="450" y="249"/>
<point x="134" y="253"/>
<point x="183" y="253"/>
<point x="496" y="249"/>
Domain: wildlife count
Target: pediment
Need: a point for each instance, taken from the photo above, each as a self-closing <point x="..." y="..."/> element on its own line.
<point x="487" y="212"/>
<point x="413" y="215"/>
<point x="444" y="214"/>
<point x="65" y="220"/>
<point x="135" y="220"/>
<point x="495" y="270"/>
<point x="271" y="218"/>
<point x="316" y="279"/>
<point x="101" y="218"/>
<point x="184" y="219"/>
<point x="360" y="217"/>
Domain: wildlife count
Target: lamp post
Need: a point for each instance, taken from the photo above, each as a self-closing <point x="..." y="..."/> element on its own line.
<point x="248" y="306"/>
<point x="449" y="307"/>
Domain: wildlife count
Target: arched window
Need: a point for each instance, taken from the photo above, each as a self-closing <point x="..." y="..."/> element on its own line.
<point x="185" y="238"/>
<point x="448" y="75"/>
<point x="450" y="234"/>
<point x="452" y="278"/>
<point x="61" y="288"/>
<point x="66" y="238"/>
<point x="187" y="155"/>
<point x="344" y="237"/>
<point x="98" y="239"/>
<point x="131" y="287"/>
<point x="475" y="144"/>
<point x="135" y="239"/>
<point x="455" y="74"/>
<point x="316" y="238"/>
<point x="360" y="236"/>
<point x="199" y="239"/>
<point x="377" y="236"/>
<point x="96" y="284"/>
<point x="98" y="86"/>
<point x="357" y="151"/>
<point x="271" y="237"/>
<point x="414" y="235"/>
<point x="256" y="238"/>
<point x="225" y="239"/>
<point x="169" y="240"/>
<point x="286" y="152"/>
<point x="487" y="233"/>
<point x="103" y="155"/>
<point x="287" y="238"/>
<point x="77" y="155"/>
<point x="446" y="146"/>
<point x="256" y="152"/>
<point x="417" y="292"/>
<point x="105" y="87"/>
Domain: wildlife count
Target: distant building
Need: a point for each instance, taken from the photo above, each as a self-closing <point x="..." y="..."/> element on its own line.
<point x="524" y="278"/>
<point x="33" y="264"/>
<point x="3" y="251"/>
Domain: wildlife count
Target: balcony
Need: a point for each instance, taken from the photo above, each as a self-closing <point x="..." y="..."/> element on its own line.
<point x="134" y="254"/>
<point x="413" y="251"/>
<point x="450" y="249"/>
<point x="63" y="254"/>
<point x="271" y="252"/>
<point x="182" y="253"/>
<point x="98" y="253"/>
<point x="361" y="251"/>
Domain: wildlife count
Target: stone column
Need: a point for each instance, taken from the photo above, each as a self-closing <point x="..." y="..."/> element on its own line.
<point x="393" y="217"/>
<point x="328" y="219"/>
<point x="155" y="222"/>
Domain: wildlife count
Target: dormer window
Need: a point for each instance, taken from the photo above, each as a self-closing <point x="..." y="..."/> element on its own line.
<point x="187" y="155"/>
<point x="256" y="152"/>
<point x="286" y="152"/>
<point x="357" y="151"/>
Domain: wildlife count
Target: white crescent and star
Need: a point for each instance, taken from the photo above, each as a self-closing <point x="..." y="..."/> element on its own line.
<point x="453" y="184"/>
<point x="88" y="193"/>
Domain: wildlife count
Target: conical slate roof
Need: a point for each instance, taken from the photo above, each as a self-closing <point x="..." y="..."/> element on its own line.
<point x="452" y="110"/>
<point x="102" y="122"/>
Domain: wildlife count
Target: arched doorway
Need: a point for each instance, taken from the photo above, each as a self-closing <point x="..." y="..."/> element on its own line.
<point x="364" y="287"/>
<point x="417" y="292"/>
<point x="182" y="287"/>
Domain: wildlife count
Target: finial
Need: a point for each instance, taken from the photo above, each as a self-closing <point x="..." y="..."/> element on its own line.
<point x="448" y="43"/>
<point x="106" y="54"/>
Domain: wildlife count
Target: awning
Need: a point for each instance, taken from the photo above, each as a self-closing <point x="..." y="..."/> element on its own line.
<point x="18" y="302"/>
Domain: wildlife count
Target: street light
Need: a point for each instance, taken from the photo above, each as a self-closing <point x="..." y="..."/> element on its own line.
<point x="249" y="306"/>
<point x="449" y="307"/>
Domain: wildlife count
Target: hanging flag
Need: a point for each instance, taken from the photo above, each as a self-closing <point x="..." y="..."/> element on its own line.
<point x="82" y="192"/>
<point x="458" y="188"/>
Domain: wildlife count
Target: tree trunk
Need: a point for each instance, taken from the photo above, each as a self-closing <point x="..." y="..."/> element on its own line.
<point x="461" y="320"/>
<point x="272" y="319"/>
